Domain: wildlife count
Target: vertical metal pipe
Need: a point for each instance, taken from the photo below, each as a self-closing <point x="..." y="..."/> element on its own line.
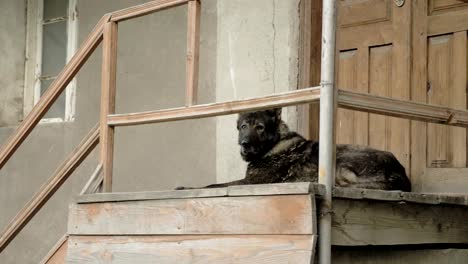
<point x="327" y="145"/>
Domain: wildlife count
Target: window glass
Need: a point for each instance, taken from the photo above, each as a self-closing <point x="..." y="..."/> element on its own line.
<point x="54" y="9"/>
<point x="54" y="48"/>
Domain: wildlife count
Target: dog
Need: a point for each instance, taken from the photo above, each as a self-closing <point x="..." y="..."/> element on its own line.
<point x="277" y="155"/>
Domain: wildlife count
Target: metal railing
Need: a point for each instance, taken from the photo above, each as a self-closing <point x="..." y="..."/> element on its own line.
<point x="106" y="31"/>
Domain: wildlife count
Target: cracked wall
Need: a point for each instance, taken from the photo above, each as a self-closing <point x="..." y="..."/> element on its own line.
<point x="257" y="54"/>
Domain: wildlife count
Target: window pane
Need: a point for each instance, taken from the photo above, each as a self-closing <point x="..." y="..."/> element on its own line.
<point x="55" y="8"/>
<point x="58" y="108"/>
<point x="54" y="48"/>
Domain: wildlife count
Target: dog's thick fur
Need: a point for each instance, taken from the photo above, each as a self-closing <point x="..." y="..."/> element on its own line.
<point x="277" y="155"/>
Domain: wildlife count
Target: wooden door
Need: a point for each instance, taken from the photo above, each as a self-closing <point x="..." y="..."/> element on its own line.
<point x="373" y="43"/>
<point x="439" y="77"/>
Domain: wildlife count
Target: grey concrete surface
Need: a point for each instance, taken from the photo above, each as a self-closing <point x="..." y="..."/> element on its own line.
<point x="12" y="58"/>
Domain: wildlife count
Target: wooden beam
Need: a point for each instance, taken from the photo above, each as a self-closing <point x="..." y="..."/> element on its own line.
<point x="108" y="89"/>
<point x="240" y="190"/>
<point x="403" y="109"/>
<point x="58" y="252"/>
<point x="193" y="50"/>
<point x="93" y="183"/>
<point x="217" y="109"/>
<point x="49" y="188"/>
<point x="378" y="223"/>
<point x="275" y="214"/>
<point x="238" y="249"/>
<point x="53" y="92"/>
<point x="144" y="9"/>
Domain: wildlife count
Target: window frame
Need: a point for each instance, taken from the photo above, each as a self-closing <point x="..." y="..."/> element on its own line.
<point x="33" y="71"/>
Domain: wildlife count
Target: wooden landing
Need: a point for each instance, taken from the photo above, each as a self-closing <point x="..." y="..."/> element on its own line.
<point x="254" y="224"/>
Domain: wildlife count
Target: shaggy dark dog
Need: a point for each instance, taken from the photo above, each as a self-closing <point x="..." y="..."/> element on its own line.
<point x="277" y="155"/>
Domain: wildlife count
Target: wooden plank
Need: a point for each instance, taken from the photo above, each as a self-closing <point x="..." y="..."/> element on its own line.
<point x="93" y="183"/>
<point x="397" y="196"/>
<point x="448" y="23"/>
<point x="193" y="52"/>
<point x="285" y="214"/>
<point x="153" y="195"/>
<point x="347" y="78"/>
<point x="384" y="223"/>
<point x="458" y="96"/>
<point x="445" y="180"/>
<point x="108" y="89"/>
<point x="216" y="109"/>
<point x="440" y="88"/>
<point x="356" y="13"/>
<point x="402" y="108"/>
<point x="305" y="29"/>
<point x="244" y="190"/>
<point x="269" y="189"/>
<point x="298" y="249"/>
<point x="53" y="92"/>
<point x="399" y="255"/>
<point x="58" y="253"/>
<point x="418" y="91"/>
<point x="315" y="65"/>
<point x="144" y="9"/>
<point x="49" y="188"/>
<point x="399" y="129"/>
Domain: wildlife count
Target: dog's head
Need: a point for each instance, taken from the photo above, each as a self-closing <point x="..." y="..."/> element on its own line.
<point x="258" y="132"/>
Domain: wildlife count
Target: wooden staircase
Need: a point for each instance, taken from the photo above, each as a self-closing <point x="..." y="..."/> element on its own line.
<point x="272" y="223"/>
<point x="253" y="224"/>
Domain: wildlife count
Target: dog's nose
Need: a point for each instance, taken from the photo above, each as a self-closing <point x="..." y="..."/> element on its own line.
<point x="245" y="143"/>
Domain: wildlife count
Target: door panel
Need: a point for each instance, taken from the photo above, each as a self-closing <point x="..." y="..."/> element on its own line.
<point x="416" y="52"/>
<point x="446" y="86"/>
<point x="373" y="45"/>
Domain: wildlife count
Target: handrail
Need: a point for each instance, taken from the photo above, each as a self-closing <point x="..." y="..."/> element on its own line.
<point x="50" y="187"/>
<point x="216" y="109"/>
<point x="145" y="9"/>
<point x="54" y="91"/>
<point x="402" y="108"/>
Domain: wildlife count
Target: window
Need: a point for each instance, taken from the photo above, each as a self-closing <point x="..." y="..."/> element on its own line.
<point x="52" y="34"/>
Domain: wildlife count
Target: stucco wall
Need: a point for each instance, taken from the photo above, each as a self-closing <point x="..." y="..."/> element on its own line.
<point x="151" y="73"/>
<point x="12" y="47"/>
<point x="248" y="48"/>
<point x="257" y="55"/>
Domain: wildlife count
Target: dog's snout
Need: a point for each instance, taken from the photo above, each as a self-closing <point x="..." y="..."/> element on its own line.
<point x="245" y="143"/>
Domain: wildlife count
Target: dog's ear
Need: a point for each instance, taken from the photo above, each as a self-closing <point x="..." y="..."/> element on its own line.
<point x="276" y="113"/>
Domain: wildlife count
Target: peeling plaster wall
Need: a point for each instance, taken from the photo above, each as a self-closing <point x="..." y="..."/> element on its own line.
<point x="257" y="55"/>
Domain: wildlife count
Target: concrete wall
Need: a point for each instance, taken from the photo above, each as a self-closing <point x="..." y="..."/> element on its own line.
<point x="248" y="48"/>
<point x="150" y="76"/>
<point x="12" y="47"/>
<point x="257" y="55"/>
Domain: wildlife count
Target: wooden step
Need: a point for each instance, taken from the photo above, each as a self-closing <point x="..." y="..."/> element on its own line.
<point x="257" y="224"/>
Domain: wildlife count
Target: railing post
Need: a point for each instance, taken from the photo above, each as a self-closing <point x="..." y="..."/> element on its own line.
<point x="108" y="87"/>
<point x="193" y="48"/>
<point x="327" y="147"/>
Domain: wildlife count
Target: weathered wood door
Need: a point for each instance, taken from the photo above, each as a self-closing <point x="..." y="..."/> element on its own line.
<point x="439" y="77"/>
<point x="373" y="57"/>
<point x="412" y="50"/>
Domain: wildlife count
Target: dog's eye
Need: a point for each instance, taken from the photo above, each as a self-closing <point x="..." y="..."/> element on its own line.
<point x="260" y="128"/>
<point x="244" y="126"/>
